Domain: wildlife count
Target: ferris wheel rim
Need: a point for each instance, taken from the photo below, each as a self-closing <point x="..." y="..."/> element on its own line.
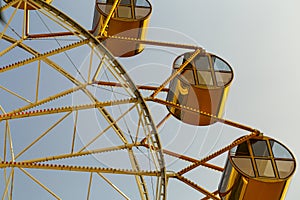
<point x="133" y="87"/>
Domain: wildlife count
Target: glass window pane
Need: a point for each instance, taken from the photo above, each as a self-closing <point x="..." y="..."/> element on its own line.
<point x="178" y="62"/>
<point x="223" y="78"/>
<point x="188" y="76"/>
<point x="220" y="65"/>
<point x="202" y="63"/>
<point x="141" y="12"/>
<point x="244" y="164"/>
<point x="105" y="8"/>
<point x="181" y="60"/>
<point x="285" y="167"/>
<point x="260" y="148"/>
<point x="241" y="150"/>
<point x="124" y="12"/>
<point x="265" y="168"/>
<point x="125" y="2"/>
<point x="190" y="65"/>
<point x="279" y="151"/>
<point x="103" y="1"/>
<point x="205" y="78"/>
<point x="142" y="3"/>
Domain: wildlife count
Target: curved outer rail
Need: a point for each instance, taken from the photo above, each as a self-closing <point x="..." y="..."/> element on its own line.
<point x="117" y="68"/>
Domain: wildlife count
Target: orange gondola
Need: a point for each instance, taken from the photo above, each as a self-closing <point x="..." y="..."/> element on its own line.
<point x="202" y="85"/>
<point x="130" y="19"/>
<point x="260" y="168"/>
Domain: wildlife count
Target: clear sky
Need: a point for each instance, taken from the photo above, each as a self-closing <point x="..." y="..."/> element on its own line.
<point x="260" y="39"/>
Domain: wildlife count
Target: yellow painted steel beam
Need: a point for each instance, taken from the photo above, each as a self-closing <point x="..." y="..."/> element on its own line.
<point x="114" y="186"/>
<point x="102" y="110"/>
<point x="176" y="73"/>
<point x="96" y="74"/>
<point x="90" y="186"/>
<point x="48" y="99"/>
<point x="25" y="20"/>
<point x="40" y="184"/>
<point x="10" y="19"/>
<point x="183" y="157"/>
<point x="163" y="120"/>
<point x="197" y="187"/>
<point x="134" y="40"/>
<point x="83" y="153"/>
<point x="142" y="87"/>
<point x="207" y="197"/>
<point x="112" y="124"/>
<point x="21" y="45"/>
<point x="42" y="135"/>
<point x="90" y="64"/>
<point x="121" y="72"/>
<point x="138" y="127"/>
<point x="11" y="46"/>
<point x="77" y="168"/>
<point x="187" y="158"/>
<point x="8" y="4"/>
<point x="11" y="147"/>
<point x="15" y="94"/>
<point x="5" y="141"/>
<point x="113" y="8"/>
<point x="139" y="179"/>
<point x="8" y="182"/>
<point x="221" y="120"/>
<point x="37" y="84"/>
<point x="217" y="153"/>
<point x="151" y="42"/>
<point x="64" y="109"/>
<point x="155" y="148"/>
<point x="80" y="30"/>
<point x="74" y="132"/>
<point x="43" y="56"/>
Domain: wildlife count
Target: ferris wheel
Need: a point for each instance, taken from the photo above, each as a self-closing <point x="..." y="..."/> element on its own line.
<point x="75" y="125"/>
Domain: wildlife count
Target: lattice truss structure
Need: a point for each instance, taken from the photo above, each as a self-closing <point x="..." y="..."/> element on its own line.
<point x="74" y="124"/>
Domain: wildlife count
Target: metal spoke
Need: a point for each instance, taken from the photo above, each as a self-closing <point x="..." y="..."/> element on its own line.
<point x="40" y="184"/>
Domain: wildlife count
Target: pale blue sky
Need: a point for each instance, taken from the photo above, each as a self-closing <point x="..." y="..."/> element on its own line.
<point x="261" y="41"/>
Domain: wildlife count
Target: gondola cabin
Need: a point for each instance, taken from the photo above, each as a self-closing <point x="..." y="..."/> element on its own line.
<point x="28" y="5"/>
<point x="130" y="19"/>
<point x="203" y="85"/>
<point x="259" y="168"/>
